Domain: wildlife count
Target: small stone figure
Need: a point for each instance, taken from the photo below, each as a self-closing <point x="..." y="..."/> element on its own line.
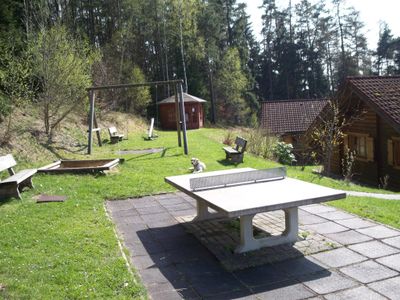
<point x="198" y="166"/>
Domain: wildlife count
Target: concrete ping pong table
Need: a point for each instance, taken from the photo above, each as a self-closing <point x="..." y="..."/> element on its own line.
<point x="245" y="192"/>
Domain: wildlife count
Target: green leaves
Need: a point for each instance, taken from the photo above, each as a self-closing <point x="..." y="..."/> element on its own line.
<point x="62" y="68"/>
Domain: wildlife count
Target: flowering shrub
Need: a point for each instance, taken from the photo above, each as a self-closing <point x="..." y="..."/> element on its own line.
<point x="283" y="152"/>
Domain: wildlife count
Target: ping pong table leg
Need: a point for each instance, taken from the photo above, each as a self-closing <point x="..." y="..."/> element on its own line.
<point x="291" y="224"/>
<point x="289" y="235"/>
<point x="203" y="213"/>
<point x="247" y="241"/>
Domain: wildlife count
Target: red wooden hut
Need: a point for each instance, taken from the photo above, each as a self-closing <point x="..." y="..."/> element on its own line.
<point x="194" y="112"/>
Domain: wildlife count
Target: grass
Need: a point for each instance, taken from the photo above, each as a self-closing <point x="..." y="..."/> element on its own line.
<point x="383" y="211"/>
<point x="69" y="250"/>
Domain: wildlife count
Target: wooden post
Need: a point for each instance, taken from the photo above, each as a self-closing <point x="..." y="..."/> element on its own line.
<point x="91" y="119"/>
<point x="97" y="128"/>
<point x="182" y="106"/>
<point x="177" y="117"/>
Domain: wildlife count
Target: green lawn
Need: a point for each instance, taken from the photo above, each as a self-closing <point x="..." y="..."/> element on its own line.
<point x="69" y="250"/>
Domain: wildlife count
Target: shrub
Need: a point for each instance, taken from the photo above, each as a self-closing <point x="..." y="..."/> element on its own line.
<point x="260" y="142"/>
<point x="229" y="138"/>
<point x="62" y="66"/>
<point x="283" y="153"/>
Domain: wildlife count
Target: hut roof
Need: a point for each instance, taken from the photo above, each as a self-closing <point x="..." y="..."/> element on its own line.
<point x="290" y="116"/>
<point x="186" y="98"/>
<point x="382" y="93"/>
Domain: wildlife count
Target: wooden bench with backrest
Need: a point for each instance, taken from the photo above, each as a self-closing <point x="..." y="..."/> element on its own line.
<point x="236" y="153"/>
<point x="115" y="137"/>
<point x="13" y="185"/>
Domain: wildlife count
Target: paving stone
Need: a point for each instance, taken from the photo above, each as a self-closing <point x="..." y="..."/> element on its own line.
<point x="171" y="293"/>
<point x="156" y="217"/>
<point x="348" y="237"/>
<point x="117" y="205"/>
<point x="136" y="248"/>
<point x="202" y="267"/>
<point x="144" y="202"/>
<point x="181" y="206"/>
<point x="183" y="255"/>
<point x="336" y="215"/>
<point x="317" y="208"/>
<point x="156" y="209"/>
<point x="181" y="213"/>
<point x="395" y="241"/>
<point x="327" y="282"/>
<point x="388" y="287"/>
<point x="131" y="220"/>
<point x="307" y="219"/>
<point x="261" y="275"/>
<point x="156" y="260"/>
<point x="237" y="295"/>
<point x="300" y="266"/>
<point x="374" y="249"/>
<point x="368" y="271"/>
<point x="327" y="227"/>
<point x="125" y="213"/>
<point x="379" y="232"/>
<point x="339" y="257"/>
<point x="283" y="290"/>
<point x="357" y="293"/>
<point x="165" y="223"/>
<point x="215" y="284"/>
<point x="392" y="261"/>
<point x="356" y="223"/>
<point x="168" y="274"/>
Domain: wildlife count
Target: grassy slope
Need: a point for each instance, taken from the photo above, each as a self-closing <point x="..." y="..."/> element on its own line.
<point x="68" y="250"/>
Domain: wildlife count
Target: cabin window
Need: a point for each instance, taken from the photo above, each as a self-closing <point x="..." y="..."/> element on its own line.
<point x="359" y="145"/>
<point x="394" y="152"/>
<point x="362" y="144"/>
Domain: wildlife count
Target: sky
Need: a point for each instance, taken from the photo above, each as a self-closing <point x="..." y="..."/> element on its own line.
<point x="371" y="13"/>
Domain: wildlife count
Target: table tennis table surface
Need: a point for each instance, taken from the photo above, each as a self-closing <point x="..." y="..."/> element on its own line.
<point x="243" y="199"/>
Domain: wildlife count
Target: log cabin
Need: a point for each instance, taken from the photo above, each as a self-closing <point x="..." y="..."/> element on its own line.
<point x="374" y="136"/>
<point x="290" y="119"/>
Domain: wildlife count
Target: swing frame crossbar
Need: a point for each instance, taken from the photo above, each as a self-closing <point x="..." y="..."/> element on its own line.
<point x="179" y="109"/>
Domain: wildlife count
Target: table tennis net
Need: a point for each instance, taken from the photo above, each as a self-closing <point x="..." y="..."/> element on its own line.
<point x="246" y="177"/>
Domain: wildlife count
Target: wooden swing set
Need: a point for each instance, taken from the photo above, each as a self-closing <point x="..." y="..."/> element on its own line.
<point x="179" y="109"/>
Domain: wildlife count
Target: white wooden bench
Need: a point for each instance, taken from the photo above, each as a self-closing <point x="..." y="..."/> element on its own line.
<point x="13" y="185"/>
<point x="115" y="137"/>
<point x="236" y="154"/>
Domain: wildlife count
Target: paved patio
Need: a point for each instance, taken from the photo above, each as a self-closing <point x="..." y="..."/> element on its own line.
<point x="361" y="262"/>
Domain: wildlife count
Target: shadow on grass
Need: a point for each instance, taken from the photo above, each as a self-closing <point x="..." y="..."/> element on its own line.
<point x="5" y="200"/>
<point x="145" y="156"/>
<point x="226" y="163"/>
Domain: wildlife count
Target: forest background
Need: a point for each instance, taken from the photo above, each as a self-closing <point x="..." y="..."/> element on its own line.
<point x="52" y="50"/>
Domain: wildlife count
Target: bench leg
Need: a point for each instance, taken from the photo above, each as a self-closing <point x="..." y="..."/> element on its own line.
<point x="26" y="183"/>
<point x="10" y="190"/>
<point x="203" y="213"/>
<point x="289" y="235"/>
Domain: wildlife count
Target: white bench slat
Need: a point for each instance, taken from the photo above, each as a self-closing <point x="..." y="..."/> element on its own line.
<point x="230" y="150"/>
<point x="20" y="176"/>
<point x="6" y="162"/>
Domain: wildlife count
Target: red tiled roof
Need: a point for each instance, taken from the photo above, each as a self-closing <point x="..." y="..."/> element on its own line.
<point x="290" y="116"/>
<point x="382" y="93"/>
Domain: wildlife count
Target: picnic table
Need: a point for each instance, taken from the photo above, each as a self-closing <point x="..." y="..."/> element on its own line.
<point x="246" y="192"/>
